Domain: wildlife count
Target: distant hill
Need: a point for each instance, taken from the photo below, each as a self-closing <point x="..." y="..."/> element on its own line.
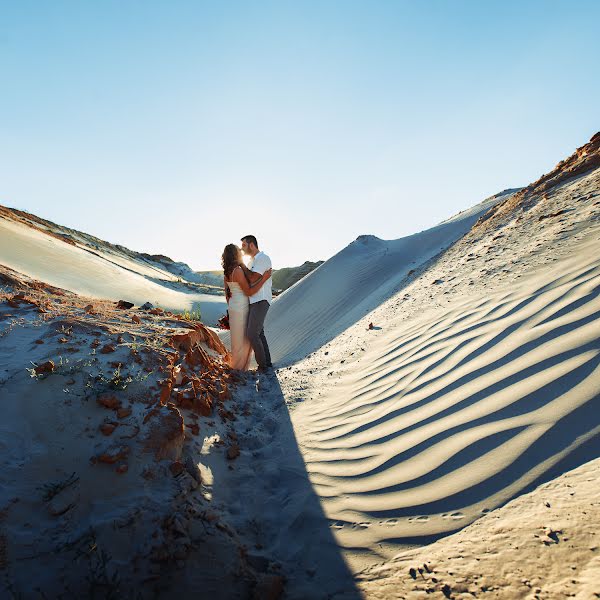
<point x="288" y="276"/>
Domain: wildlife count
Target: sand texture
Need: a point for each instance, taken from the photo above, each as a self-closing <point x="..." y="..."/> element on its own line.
<point x="432" y="428"/>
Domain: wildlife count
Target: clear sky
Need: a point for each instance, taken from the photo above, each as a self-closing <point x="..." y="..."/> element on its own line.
<point x="176" y="127"/>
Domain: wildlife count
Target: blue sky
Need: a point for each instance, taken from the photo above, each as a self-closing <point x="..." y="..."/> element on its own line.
<point x="177" y="127"/>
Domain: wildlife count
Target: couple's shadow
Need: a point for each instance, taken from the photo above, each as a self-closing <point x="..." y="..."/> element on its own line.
<point x="272" y="501"/>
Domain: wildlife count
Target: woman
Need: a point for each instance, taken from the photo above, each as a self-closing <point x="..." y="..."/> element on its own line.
<point x="237" y="290"/>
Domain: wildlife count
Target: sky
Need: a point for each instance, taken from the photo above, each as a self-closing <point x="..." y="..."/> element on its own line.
<point x="177" y="127"/>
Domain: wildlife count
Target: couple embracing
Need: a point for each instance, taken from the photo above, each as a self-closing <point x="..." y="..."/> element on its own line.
<point x="248" y="291"/>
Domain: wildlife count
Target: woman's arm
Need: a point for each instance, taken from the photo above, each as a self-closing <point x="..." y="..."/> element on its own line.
<point x="238" y="276"/>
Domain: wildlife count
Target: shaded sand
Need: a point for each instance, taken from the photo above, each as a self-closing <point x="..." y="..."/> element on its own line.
<point x="196" y="487"/>
<point x="100" y="273"/>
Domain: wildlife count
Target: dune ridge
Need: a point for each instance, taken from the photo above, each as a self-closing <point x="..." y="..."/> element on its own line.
<point x="355" y="281"/>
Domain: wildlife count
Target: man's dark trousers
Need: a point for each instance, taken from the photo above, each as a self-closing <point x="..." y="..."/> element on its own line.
<point x="255" y="332"/>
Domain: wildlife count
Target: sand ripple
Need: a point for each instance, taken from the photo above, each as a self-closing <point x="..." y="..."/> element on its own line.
<point x="451" y="416"/>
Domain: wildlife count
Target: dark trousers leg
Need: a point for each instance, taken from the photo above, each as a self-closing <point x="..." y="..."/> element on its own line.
<point x="266" y="349"/>
<point x="255" y="332"/>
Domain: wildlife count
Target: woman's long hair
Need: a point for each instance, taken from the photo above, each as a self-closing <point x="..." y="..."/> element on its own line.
<point x="230" y="259"/>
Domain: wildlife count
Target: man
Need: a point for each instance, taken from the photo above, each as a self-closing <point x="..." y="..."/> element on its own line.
<point x="259" y="302"/>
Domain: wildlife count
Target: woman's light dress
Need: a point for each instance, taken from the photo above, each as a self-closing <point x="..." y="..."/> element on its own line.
<point x="241" y="350"/>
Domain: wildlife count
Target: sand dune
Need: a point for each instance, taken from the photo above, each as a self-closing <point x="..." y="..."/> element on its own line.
<point x="479" y="380"/>
<point x="463" y="411"/>
<point x="354" y="282"/>
<point x="404" y="409"/>
<point x="99" y="273"/>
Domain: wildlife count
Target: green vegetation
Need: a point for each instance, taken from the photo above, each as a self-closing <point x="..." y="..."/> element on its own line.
<point x="287" y="277"/>
<point x="191" y="315"/>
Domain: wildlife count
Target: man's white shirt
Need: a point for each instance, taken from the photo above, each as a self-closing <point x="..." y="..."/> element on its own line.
<point x="259" y="264"/>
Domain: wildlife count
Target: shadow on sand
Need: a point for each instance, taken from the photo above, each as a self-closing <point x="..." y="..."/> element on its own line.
<point x="271" y="502"/>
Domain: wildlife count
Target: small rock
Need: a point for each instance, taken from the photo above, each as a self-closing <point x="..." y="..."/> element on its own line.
<point x="136" y="319"/>
<point x="123" y="304"/>
<point x="47" y="367"/>
<point x="123" y="412"/>
<point x="39" y="341"/>
<point x="146" y="306"/>
<point x="107" y="348"/>
<point x="164" y="432"/>
<point x="89" y="309"/>
<point x="148" y="473"/>
<point x="113" y="454"/>
<point x="122" y="468"/>
<point x="109" y="401"/>
<point x="371" y="326"/>
<point x="108" y="428"/>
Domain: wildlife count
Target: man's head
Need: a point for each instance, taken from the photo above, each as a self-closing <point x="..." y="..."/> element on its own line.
<point x="249" y="245"/>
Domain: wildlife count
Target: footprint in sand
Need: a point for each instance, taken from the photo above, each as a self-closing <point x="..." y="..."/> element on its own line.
<point x="457" y="515"/>
<point x="420" y="519"/>
<point x="391" y="522"/>
<point x="336" y="525"/>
